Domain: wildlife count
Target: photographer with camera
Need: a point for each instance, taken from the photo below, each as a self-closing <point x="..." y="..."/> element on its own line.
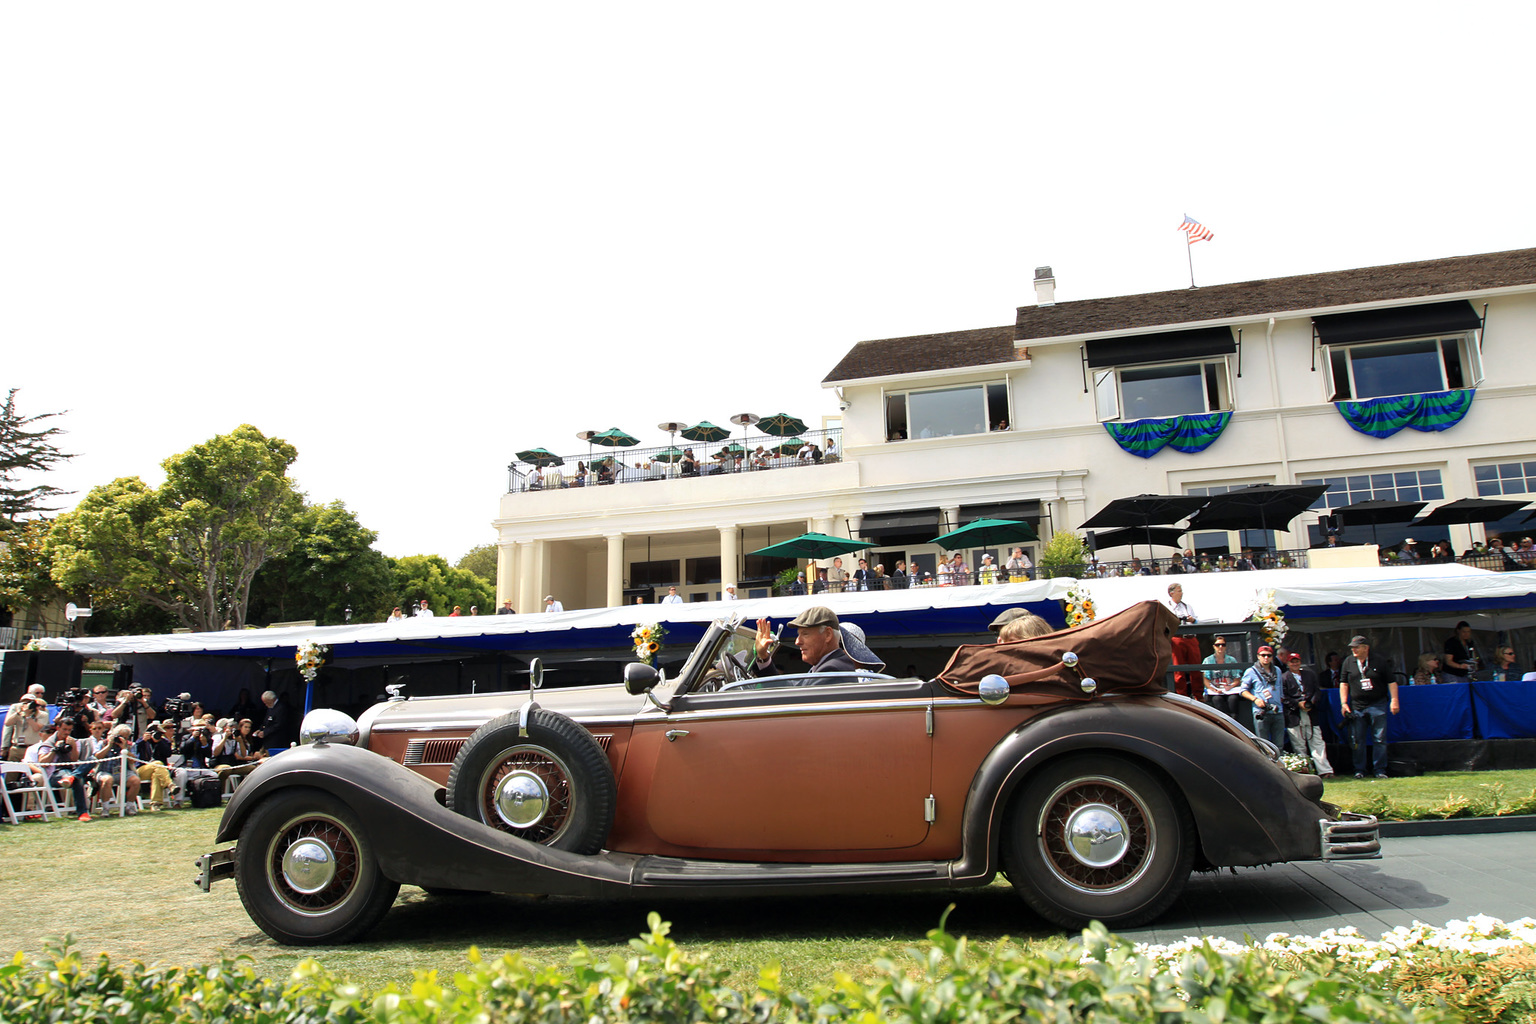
<point x="133" y="710"/>
<point x="75" y="702"/>
<point x="1261" y="687"/>
<point x="154" y="754"/>
<point x="59" y="755"/>
<point x="109" y="763"/>
<point x="25" y="723"/>
<point x="1367" y="692"/>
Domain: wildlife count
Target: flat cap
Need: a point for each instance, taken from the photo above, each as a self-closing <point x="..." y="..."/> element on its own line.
<point x="1357" y="640"/>
<point x="1007" y="616"/>
<point x="816" y="615"/>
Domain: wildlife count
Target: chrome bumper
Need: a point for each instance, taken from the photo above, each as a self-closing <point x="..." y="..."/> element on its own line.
<point x="1352" y="837"/>
<point x="213" y="866"/>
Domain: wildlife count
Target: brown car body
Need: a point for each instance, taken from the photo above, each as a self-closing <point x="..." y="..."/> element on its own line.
<point x="1071" y="760"/>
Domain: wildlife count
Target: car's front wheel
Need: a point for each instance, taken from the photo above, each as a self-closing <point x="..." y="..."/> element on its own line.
<point x="552" y="786"/>
<point x="306" y="871"/>
<point x="1098" y="837"/>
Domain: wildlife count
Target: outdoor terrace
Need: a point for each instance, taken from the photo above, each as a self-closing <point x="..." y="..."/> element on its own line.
<point x="607" y="466"/>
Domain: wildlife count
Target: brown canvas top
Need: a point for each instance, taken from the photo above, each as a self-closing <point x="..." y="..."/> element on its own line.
<point x="1127" y="652"/>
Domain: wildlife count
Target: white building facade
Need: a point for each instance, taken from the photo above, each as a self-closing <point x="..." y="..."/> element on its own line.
<point x="1407" y="382"/>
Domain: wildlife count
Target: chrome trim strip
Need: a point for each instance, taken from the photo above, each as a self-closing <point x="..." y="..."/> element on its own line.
<point x="776" y="710"/>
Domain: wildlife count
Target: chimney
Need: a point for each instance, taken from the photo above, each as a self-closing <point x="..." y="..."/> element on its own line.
<point x="1045" y="287"/>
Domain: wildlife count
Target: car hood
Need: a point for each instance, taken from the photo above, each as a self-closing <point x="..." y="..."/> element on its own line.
<point x="586" y="704"/>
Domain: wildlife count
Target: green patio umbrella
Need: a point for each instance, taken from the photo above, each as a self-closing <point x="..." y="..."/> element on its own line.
<point x="781" y="424"/>
<point x="707" y="432"/>
<point x="670" y="455"/>
<point x="986" y="532"/>
<point x="731" y="449"/>
<point x="613" y="437"/>
<point x="812" y="545"/>
<point x="789" y="446"/>
<point x="541" y="457"/>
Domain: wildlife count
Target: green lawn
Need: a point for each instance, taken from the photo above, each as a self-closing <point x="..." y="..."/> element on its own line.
<point x="124" y="886"/>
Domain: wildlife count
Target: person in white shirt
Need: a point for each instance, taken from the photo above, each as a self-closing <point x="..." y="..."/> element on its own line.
<point x="729" y="595"/>
<point x="1180" y="608"/>
<point x="551" y="605"/>
<point x="1018" y="566"/>
<point x="672" y="596"/>
<point x="422" y="611"/>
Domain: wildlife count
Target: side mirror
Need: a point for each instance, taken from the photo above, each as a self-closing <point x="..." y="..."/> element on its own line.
<point x="640" y="677"/>
<point x="535" y="674"/>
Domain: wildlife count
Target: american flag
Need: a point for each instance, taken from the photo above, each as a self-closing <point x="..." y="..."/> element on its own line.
<point x="1196" y="231"/>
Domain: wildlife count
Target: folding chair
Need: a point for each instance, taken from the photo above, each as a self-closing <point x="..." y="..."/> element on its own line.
<point x="19" y="787"/>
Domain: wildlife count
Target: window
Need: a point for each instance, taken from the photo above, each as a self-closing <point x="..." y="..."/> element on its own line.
<point x="1219" y="541"/>
<point x="1407" y="367"/>
<point x="653" y="574"/>
<point x="702" y="570"/>
<point x="1403" y="485"/>
<point x="947" y="412"/>
<point x="1505" y="478"/>
<point x="1161" y="390"/>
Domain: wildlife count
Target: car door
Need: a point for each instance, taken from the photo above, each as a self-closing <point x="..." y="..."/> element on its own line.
<point x="804" y="765"/>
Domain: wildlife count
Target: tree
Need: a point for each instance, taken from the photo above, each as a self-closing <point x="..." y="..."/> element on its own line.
<point x="331" y="567"/>
<point x="431" y="577"/>
<point x="481" y="560"/>
<point x="25" y="579"/>
<point x="22" y="449"/>
<point x="1065" y="555"/>
<point x="191" y="547"/>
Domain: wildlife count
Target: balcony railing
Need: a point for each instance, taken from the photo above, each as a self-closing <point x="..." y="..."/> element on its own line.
<point x="606" y="466"/>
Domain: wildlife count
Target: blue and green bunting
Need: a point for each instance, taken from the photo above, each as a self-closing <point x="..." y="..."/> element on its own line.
<point x="1383" y="417"/>
<point x="1187" y="434"/>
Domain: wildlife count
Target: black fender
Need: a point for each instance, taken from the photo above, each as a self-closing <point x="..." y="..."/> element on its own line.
<point x="1248" y="809"/>
<point x="418" y="841"/>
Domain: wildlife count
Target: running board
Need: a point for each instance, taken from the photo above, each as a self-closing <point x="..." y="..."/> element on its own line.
<point x="677" y="871"/>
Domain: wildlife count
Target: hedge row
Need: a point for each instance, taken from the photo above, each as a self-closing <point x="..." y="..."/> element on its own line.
<point x="1101" y="978"/>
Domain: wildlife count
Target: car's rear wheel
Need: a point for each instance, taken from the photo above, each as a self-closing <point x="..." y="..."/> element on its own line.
<point x="553" y="786"/>
<point x="1098" y="837"/>
<point x="306" y="872"/>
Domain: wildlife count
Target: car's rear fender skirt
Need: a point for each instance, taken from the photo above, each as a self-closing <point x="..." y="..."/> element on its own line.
<point x="417" y="840"/>
<point x="1247" y="809"/>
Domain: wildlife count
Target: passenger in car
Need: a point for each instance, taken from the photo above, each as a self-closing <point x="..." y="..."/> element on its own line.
<point x="1018" y="624"/>
<point x="825" y="645"/>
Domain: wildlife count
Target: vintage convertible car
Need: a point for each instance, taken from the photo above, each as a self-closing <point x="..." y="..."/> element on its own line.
<point x="1061" y="761"/>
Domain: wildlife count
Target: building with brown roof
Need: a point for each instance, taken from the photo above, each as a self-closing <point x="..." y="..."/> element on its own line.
<point x="1407" y="382"/>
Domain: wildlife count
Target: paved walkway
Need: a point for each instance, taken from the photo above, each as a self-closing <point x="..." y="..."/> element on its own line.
<point x="1430" y="879"/>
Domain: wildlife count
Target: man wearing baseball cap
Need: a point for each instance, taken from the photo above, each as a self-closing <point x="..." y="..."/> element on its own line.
<point x="1307" y="734"/>
<point x="1261" y="688"/>
<point x="825" y="645"/>
<point x="1369" y="689"/>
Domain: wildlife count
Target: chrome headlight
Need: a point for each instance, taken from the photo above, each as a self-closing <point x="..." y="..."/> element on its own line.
<point x="993" y="689"/>
<point x="325" y="725"/>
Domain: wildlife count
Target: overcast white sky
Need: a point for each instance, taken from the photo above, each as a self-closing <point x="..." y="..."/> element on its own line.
<point x="412" y="239"/>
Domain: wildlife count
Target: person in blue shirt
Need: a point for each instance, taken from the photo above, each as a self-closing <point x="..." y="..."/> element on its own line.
<point x="1261" y="687"/>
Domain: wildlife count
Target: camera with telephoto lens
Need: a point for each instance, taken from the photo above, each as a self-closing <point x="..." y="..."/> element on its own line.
<point x="176" y="708"/>
<point x="1351" y="716"/>
<point x="73" y="697"/>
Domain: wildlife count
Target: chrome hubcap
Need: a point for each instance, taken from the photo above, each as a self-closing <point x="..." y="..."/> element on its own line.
<point x="308" y="866"/>
<point x="522" y="799"/>
<point x="1096" y="835"/>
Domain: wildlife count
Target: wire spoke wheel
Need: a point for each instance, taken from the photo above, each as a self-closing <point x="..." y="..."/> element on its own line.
<point x="527" y="791"/>
<point x="312" y="864"/>
<point x="1096" y="835"/>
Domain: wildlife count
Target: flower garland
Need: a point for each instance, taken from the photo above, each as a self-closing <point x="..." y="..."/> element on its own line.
<point x="1079" y="605"/>
<point x="309" y="657"/>
<point x="647" y="638"/>
<point x="1267" y="612"/>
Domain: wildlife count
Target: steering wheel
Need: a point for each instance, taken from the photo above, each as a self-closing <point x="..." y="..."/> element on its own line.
<point x="731" y="669"/>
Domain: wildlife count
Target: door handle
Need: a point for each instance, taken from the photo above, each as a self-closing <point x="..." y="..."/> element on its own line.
<point x="673" y="734"/>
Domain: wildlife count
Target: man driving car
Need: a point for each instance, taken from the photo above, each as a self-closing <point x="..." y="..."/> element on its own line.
<point x="825" y="645"/>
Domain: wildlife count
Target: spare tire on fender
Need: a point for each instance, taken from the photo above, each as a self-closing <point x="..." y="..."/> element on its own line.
<point x="553" y="786"/>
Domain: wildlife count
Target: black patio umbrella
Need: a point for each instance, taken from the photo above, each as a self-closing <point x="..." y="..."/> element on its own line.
<point x="1156" y="536"/>
<point x="1378" y="512"/>
<point x="1144" y="511"/>
<point x="1471" y="510"/>
<point x="1258" y="507"/>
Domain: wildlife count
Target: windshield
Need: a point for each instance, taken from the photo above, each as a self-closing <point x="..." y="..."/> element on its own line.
<point x="724" y="636"/>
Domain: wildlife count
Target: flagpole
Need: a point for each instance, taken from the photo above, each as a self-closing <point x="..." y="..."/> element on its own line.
<point x="1189" y="245"/>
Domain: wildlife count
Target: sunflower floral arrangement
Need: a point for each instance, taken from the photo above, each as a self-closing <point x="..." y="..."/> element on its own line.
<point x="647" y="638"/>
<point x="1268" y="613"/>
<point x="309" y="657"/>
<point x="1079" y="605"/>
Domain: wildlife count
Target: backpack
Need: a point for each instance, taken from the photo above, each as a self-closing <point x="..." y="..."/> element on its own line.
<point x="206" y="792"/>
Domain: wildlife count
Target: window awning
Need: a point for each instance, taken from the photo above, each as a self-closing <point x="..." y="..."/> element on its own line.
<point x="1019" y="510"/>
<point x="882" y="527"/>
<point x="1400" y="322"/>
<point x="1169" y="346"/>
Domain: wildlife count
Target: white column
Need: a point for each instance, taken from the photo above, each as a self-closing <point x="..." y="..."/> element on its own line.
<point x="506" y="574"/>
<point x="730" y="555"/>
<point x="529" y="566"/>
<point x="949" y="518"/>
<point x="615" y="569"/>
